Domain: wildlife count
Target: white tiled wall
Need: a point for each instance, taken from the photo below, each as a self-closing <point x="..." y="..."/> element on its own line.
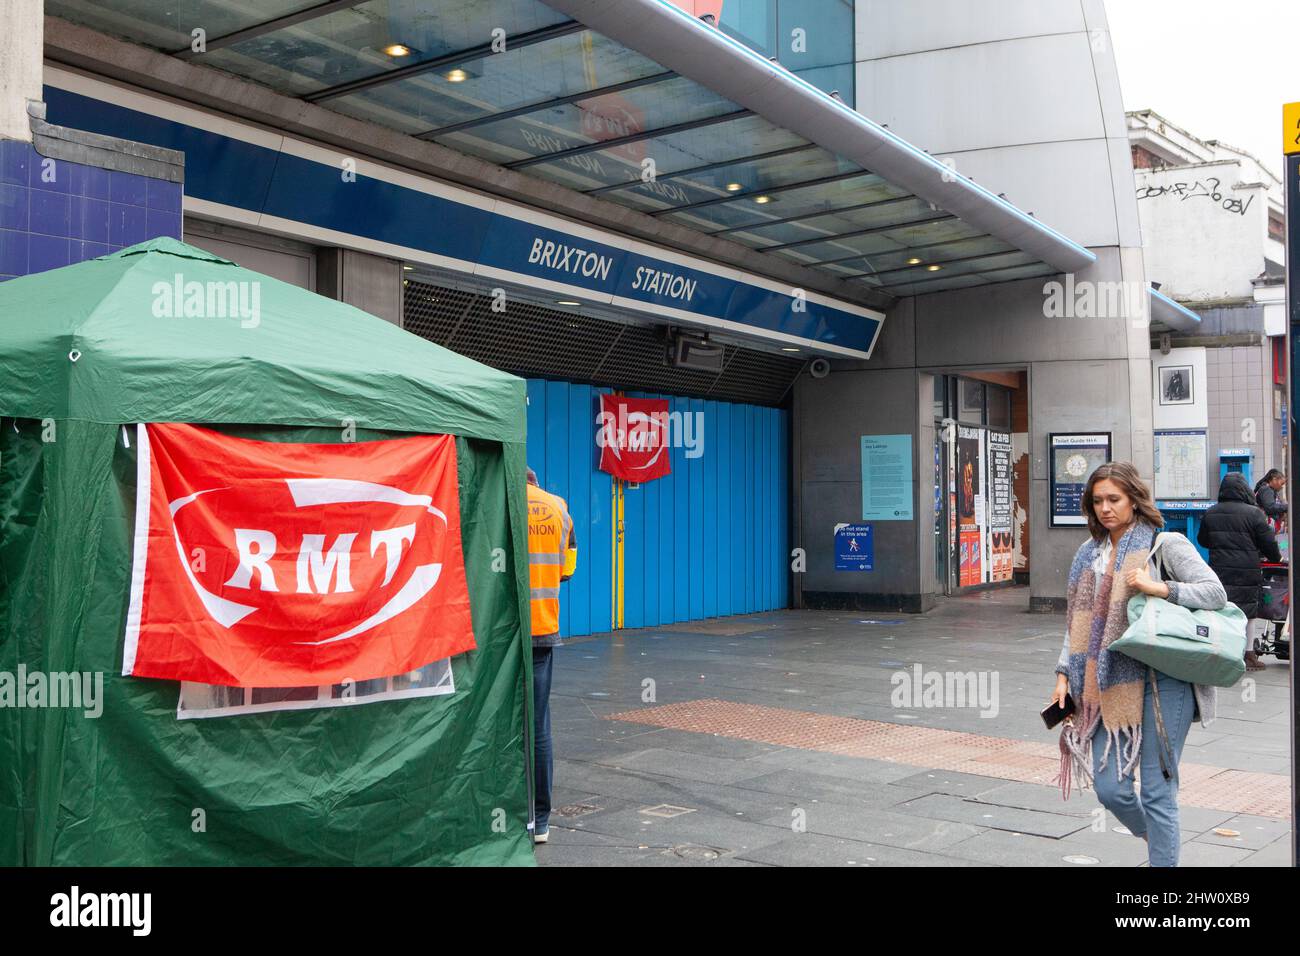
<point x="1240" y="388"/>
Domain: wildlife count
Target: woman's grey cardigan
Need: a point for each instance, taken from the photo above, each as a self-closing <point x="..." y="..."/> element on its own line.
<point x="1191" y="584"/>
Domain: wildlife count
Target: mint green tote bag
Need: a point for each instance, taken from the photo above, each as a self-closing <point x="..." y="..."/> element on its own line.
<point x="1198" y="646"/>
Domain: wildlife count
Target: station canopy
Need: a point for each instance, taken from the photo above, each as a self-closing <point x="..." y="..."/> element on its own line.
<point x="598" y="97"/>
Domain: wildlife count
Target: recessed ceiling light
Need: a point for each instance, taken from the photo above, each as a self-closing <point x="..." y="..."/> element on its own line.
<point x="457" y="76"/>
<point x="933" y="268"/>
<point x="567" y="302"/>
<point x="397" y="49"/>
<point x="914" y="261"/>
<point x="408" y="268"/>
<point x="762" y="200"/>
<point x="734" y="187"/>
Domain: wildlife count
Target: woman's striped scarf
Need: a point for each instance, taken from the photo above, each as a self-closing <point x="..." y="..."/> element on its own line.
<point x="1106" y="687"/>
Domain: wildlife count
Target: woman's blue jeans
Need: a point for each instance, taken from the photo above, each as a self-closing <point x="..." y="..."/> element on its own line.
<point x="1155" y="811"/>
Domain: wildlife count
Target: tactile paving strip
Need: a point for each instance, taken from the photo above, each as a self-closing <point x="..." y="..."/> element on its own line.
<point x="1213" y="788"/>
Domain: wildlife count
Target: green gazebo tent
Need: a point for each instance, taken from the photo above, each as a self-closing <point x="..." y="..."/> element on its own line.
<point x="91" y="348"/>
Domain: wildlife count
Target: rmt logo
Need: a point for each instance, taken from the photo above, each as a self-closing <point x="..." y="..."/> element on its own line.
<point x="376" y="529"/>
<point x="268" y="564"/>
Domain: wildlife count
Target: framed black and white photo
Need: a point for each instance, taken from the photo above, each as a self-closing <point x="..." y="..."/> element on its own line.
<point x="1176" y="385"/>
<point x="971" y="407"/>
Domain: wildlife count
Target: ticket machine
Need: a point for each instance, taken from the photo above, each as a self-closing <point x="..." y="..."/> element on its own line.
<point x="1185" y="518"/>
<point x="1236" y="459"/>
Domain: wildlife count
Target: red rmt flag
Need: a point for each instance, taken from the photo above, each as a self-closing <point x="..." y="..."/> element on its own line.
<point x="268" y="564"/>
<point x="634" y="437"/>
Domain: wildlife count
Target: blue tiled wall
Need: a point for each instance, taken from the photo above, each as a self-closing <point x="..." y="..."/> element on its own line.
<point x="81" y="213"/>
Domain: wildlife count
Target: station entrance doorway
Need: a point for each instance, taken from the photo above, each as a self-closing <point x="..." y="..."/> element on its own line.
<point x="981" y="480"/>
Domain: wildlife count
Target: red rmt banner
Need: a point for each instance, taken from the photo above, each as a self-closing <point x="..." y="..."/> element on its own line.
<point x="269" y="564"/>
<point x="633" y="437"/>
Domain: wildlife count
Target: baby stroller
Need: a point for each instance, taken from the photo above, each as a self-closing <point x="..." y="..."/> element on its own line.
<point x="1275" y="608"/>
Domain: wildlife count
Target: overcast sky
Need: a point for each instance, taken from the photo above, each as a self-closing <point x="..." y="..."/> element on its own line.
<point x="1220" y="69"/>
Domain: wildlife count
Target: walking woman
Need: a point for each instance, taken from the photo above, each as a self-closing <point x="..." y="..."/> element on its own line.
<point x="1115" y="727"/>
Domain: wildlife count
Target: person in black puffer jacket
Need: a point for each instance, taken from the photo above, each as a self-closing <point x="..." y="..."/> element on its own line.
<point x="1236" y="533"/>
<point x="1268" y="495"/>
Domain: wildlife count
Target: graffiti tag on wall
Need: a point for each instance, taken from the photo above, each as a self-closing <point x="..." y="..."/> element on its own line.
<point x="1201" y="189"/>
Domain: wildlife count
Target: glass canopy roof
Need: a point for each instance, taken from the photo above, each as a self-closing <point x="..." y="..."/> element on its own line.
<point x="566" y="104"/>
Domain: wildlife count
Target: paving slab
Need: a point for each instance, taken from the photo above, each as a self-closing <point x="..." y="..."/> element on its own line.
<point x="814" y="849"/>
<point x="1254" y="833"/>
<point x="877" y="826"/>
<point x="642" y="790"/>
<point x="1011" y="848"/>
<point x="805" y="786"/>
<point x="570" y="848"/>
<point x="1036" y="822"/>
<point x="952" y="782"/>
<point x="681" y="765"/>
<point x="705" y="828"/>
<point x="1113" y="849"/>
<point x="1209" y="854"/>
<point x="1277" y="853"/>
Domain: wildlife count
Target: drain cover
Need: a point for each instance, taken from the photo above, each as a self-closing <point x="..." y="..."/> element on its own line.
<point x="577" y="809"/>
<point x="689" y="851"/>
<point x="1080" y="859"/>
<point x="665" y="810"/>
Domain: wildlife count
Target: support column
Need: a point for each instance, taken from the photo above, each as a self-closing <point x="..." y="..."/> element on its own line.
<point x="21" y="45"/>
<point x="371" y="283"/>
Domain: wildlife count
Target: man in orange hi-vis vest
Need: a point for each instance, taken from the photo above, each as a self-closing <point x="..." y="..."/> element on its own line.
<point x="552" y="558"/>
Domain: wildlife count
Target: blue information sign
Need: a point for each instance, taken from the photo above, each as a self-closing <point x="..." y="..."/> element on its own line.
<point x="854" y="550"/>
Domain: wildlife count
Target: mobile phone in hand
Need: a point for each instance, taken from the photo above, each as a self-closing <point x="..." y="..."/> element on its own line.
<point x="1054" y="713"/>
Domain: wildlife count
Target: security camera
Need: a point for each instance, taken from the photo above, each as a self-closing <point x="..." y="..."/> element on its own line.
<point x="819" y="368"/>
<point x="947" y="429"/>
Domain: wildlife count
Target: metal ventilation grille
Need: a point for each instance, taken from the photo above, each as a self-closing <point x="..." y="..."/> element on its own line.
<point x="533" y="341"/>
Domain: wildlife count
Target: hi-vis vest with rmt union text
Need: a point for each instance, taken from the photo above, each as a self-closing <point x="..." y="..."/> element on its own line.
<point x="549" y="530"/>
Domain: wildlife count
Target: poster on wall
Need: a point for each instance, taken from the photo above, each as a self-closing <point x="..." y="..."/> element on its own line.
<point x="886" y="477"/>
<point x="854" y="548"/>
<point x="972" y="568"/>
<point x="1072" y="458"/>
<point x="1000" y="568"/>
<point x="968" y="475"/>
<point x="971" y="506"/>
<point x="1000" y="517"/>
<point x="1181" y="464"/>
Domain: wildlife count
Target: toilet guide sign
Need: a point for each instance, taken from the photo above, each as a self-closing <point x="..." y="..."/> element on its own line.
<point x="1071" y="459"/>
